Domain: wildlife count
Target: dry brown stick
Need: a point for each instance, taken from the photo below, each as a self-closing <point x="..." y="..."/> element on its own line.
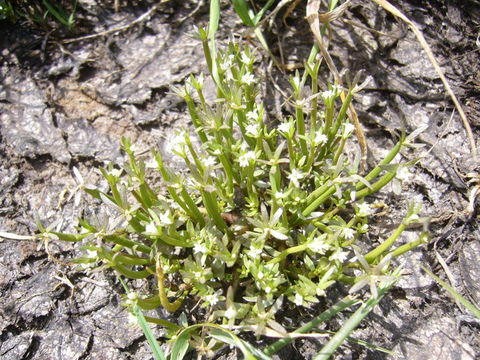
<point x="141" y="18"/>
<point x="393" y="10"/>
<point x="373" y="31"/>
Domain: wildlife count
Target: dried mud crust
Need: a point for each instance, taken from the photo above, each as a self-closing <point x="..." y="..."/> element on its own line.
<point x="67" y="104"/>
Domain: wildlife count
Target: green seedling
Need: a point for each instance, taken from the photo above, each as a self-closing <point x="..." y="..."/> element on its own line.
<point x="37" y="12"/>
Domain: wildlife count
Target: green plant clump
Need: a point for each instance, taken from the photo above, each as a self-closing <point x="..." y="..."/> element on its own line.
<point x="266" y="214"/>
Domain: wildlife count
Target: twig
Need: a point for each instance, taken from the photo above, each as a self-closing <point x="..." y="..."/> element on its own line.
<point x="373" y="31"/>
<point x="141" y="18"/>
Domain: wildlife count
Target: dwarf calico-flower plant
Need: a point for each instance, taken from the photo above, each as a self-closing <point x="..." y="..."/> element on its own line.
<point x="268" y="212"/>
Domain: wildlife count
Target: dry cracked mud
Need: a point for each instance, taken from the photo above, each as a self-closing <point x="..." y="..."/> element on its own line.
<point x="67" y="103"/>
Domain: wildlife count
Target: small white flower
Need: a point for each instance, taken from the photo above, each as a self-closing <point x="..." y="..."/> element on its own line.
<point x="252" y="130"/>
<point x="165" y="218"/>
<point x="226" y="64"/>
<point x="348" y="129"/>
<point x="248" y="79"/>
<point x="212" y="299"/>
<point x="363" y="228"/>
<point x="132" y="296"/>
<point x="285" y="127"/>
<point x="337" y="89"/>
<point x="132" y="319"/>
<point x="412" y="218"/>
<point x="115" y="172"/>
<point x="301" y="103"/>
<point x="200" y="248"/>
<point x="279" y="195"/>
<point x="268" y="290"/>
<point x="328" y="95"/>
<point x="348" y="233"/>
<point x="296" y="82"/>
<point x="298" y="299"/>
<point x="319" y="246"/>
<point x="201" y="79"/>
<point x="152" y="164"/>
<point x="91" y="254"/>
<point x="315" y="215"/>
<point x="296" y="175"/>
<point x="134" y="148"/>
<point x="244" y="146"/>
<point x="229" y="75"/>
<point x="247" y="158"/>
<point x="403" y="174"/>
<point x="230" y="313"/>
<point x="254" y="252"/>
<point x="178" y="143"/>
<point x="339" y="255"/>
<point x="320" y="138"/>
<point x="151" y="228"/>
<point x="245" y="58"/>
<point x="364" y="209"/>
<point x="210" y="161"/>
<point x="260" y="275"/>
<point x="86" y="267"/>
<point x="353" y="195"/>
<point x="252" y="115"/>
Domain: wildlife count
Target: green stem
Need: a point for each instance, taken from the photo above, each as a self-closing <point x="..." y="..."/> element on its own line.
<point x="119" y="258"/>
<point x="379" y="250"/>
<point x="169" y="306"/>
<point x="227" y="166"/>
<point x="341" y="115"/>
<point x="339" y="151"/>
<point x="422" y="239"/>
<point x="384" y="180"/>
<point x="287" y="252"/>
<point x="317" y="192"/>
<point x="301" y="128"/>
<point x="162" y="322"/>
<point x="120" y="240"/>
<point x="376" y="171"/>
<point x="214" y="212"/>
<point x="197" y="215"/>
<point x="292" y="155"/>
<point x="317" y="202"/>
<point x="150" y="303"/>
<point x="132" y="274"/>
<point x="196" y="120"/>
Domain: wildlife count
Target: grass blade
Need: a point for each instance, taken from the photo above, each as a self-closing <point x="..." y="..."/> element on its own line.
<point x="352" y="323"/>
<point x="214" y="19"/>
<point x="459" y="298"/>
<point x="12" y="236"/>
<point x="152" y="342"/>
<point x="181" y="344"/>
<point x="260" y="14"/>
<point x="241" y="8"/>
<point x="228" y="337"/>
<point x="340" y="306"/>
